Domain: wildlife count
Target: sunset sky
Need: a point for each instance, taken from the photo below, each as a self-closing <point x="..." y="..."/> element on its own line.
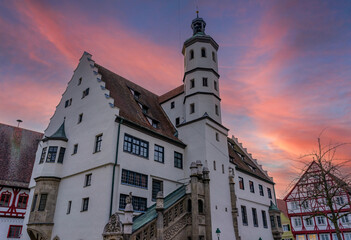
<point x="285" y="65"/>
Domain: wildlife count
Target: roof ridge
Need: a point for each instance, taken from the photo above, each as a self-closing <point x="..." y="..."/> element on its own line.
<point x="21" y="128"/>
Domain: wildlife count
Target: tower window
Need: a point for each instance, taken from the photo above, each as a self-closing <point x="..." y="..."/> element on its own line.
<point x="204" y="82"/>
<point x="203" y="52"/>
<point x="217" y="137"/>
<point x="191" y="54"/>
<point x="215" y="86"/>
<point x="192" y="108"/>
<point x="214" y="166"/>
<point x="214" y="56"/>
<point x="223" y="168"/>
<point x="192" y="83"/>
<point x="172" y="105"/>
<point x="216" y="110"/>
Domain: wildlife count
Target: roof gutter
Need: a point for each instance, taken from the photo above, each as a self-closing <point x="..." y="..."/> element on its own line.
<point x="115" y="164"/>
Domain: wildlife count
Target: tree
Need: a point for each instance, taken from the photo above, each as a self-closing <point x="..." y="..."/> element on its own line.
<point x="323" y="191"/>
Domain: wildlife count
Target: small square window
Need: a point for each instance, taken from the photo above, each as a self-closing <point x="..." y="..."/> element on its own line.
<point x="172" y="105"/>
<point x="75" y="149"/>
<point x="192" y="108"/>
<point x="80" y="118"/>
<point x="192" y="83"/>
<point x="87" y="181"/>
<point x="204" y="82"/>
<point x="85" y="204"/>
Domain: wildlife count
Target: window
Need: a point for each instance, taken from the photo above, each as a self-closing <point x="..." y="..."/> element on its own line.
<point x="286" y="227"/>
<point x="300" y="237"/>
<point x="321" y="220"/>
<point x="98" y="140"/>
<point x="172" y="105"/>
<point x="80" y="118"/>
<point x="241" y="183"/>
<point x="214" y="56"/>
<point x="339" y="200"/>
<point x="279" y="221"/>
<point x="85" y="93"/>
<point x="345" y="219"/>
<point x="42" y="202"/>
<point x="80" y="81"/>
<point x="136" y="146"/>
<point x="69" y="207"/>
<point x="254" y="217"/>
<point x="305" y="204"/>
<point x="347" y="236"/>
<point x="264" y="219"/>
<point x="85" y="204"/>
<point x="87" y="181"/>
<point x="192" y="108"/>
<point x="252" y="187"/>
<point x="312" y="237"/>
<point x="177" y="121"/>
<point x="191" y="54"/>
<point x="159" y="154"/>
<point x="34" y="202"/>
<point x="22" y="201"/>
<point x="75" y="148"/>
<point x="134" y="179"/>
<point x="192" y="83"/>
<point x="43" y="153"/>
<point x="294" y="205"/>
<point x="204" y="82"/>
<point x="139" y="203"/>
<point x="157" y="186"/>
<point x="5" y="199"/>
<point x="244" y="215"/>
<point x="214" y="166"/>
<point x="297" y="222"/>
<point x="51" y="154"/>
<point x="326" y="237"/>
<point x="216" y="110"/>
<point x="203" y="52"/>
<point x="272" y="221"/>
<point x="68" y="102"/>
<point x="201" y="206"/>
<point x="217" y="137"/>
<point x="269" y="193"/>
<point x="178" y="160"/>
<point x="215" y="85"/>
<point x="14" y="231"/>
<point x="61" y="155"/>
<point x="223" y="168"/>
<point x="144" y="108"/>
<point x="260" y="188"/>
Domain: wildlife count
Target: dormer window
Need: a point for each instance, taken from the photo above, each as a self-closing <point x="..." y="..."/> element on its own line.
<point x="152" y="122"/>
<point x="144" y="108"/>
<point x="136" y="95"/>
<point x="191" y="54"/>
<point x="203" y="52"/>
<point x="85" y="93"/>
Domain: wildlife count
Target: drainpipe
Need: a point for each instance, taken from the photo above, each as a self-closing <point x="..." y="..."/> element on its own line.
<point x="114" y="166"/>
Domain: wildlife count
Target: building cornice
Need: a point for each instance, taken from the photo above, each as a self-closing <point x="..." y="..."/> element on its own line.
<point x="253" y="175"/>
<point x="201" y="69"/>
<point x="201" y="93"/>
<point x="202" y="118"/>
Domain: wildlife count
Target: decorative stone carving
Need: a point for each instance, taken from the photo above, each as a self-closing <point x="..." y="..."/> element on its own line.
<point x="113" y="229"/>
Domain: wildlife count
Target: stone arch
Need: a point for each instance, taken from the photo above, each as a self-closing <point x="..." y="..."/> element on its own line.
<point x="36" y="235"/>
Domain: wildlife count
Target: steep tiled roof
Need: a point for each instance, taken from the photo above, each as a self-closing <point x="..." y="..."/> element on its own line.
<point x="244" y="162"/>
<point x="171" y="94"/>
<point x="17" y="154"/>
<point x="120" y="90"/>
<point x="282" y="206"/>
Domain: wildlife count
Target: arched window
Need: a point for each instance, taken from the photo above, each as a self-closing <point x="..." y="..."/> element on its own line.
<point x="22" y="200"/>
<point x="214" y="56"/>
<point x="191" y="54"/>
<point x="203" y="52"/>
<point x="189" y="205"/>
<point x="201" y="206"/>
<point x="5" y="199"/>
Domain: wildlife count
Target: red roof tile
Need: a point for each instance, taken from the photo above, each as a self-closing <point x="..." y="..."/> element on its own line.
<point x="18" y="147"/>
<point x="171" y="94"/>
<point x="282" y="206"/>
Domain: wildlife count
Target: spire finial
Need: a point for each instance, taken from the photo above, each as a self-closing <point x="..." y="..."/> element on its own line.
<point x="197" y="13"/>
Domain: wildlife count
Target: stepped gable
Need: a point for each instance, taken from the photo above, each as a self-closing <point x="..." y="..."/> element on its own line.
<point x="18" y="147"/>
<point x="282" y="206"/>
<point x="129" y="108"/>
<point x="171" y="94"/>
<point x="243" y="163"/>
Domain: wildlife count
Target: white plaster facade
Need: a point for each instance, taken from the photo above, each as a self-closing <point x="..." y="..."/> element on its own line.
<point x="201" y="131"/>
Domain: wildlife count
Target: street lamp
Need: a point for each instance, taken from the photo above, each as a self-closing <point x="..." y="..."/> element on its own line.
<point x="218" y="232"/>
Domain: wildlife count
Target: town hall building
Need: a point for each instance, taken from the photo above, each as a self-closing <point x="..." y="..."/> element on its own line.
<point x="113" y="149"/>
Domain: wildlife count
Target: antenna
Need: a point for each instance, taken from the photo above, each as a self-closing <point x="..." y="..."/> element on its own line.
<point x="19" y="122"/>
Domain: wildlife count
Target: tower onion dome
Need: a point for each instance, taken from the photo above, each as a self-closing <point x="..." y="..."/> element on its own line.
<point x="198" y="25"/>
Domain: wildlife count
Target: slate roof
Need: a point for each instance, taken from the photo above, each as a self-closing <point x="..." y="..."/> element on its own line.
<point x="244" y="162"/>
<point x="120" y="91"/>
<point x="18" y="147"/>
<point x="151" y="214"/>
<point x="171" y="94"/>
